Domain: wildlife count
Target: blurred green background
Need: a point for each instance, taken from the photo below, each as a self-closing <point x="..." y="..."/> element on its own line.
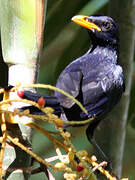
<point x="64" y="41"/>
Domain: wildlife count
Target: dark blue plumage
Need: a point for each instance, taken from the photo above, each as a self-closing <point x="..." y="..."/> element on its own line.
<point x="97" y="77"/>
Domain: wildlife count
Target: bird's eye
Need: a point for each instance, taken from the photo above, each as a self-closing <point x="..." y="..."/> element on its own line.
<point x="106" y="25"/>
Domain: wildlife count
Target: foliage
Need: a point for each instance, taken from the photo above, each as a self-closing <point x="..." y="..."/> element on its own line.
<point x="75" y="164"/>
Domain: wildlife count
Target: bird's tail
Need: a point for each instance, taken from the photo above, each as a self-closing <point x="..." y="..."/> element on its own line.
<point x="50" y="101"/>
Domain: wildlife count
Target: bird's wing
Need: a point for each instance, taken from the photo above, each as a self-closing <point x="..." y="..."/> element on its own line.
<point x="101" y="91"/>
<point x="69" y="81"/>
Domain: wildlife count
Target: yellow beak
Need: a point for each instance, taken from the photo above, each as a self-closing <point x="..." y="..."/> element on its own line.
<point x="82" y="21"/>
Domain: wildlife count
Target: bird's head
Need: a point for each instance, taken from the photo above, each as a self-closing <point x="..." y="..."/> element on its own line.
<point x="102" y="29"/>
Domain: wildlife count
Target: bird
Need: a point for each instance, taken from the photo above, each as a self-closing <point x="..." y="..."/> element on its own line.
<point x="95" y="79"/>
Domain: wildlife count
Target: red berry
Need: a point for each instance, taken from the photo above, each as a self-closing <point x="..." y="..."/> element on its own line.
<point x="20" y="93"/>
<point x="79" y="168"/>
<point x="41" y="101"/>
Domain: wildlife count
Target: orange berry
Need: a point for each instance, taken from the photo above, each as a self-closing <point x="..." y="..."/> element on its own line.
<point x="41" y="101"/>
